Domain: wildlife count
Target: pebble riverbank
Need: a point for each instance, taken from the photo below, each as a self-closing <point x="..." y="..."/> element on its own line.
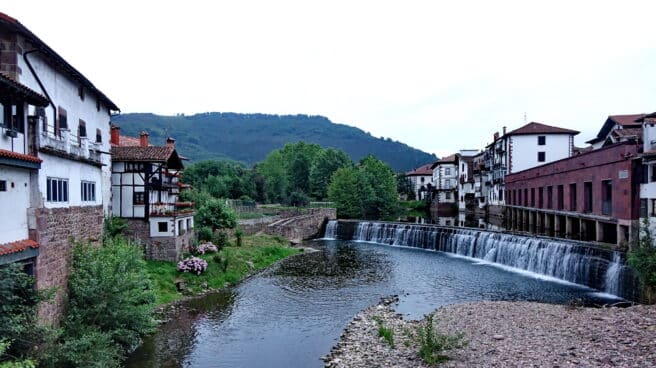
<point x="506" y="334"/>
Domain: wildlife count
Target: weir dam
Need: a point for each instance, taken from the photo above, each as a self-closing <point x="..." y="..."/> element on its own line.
<point x="571" y="261"/>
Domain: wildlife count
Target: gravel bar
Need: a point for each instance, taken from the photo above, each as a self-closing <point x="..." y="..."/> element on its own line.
<point x="506" y="334"/>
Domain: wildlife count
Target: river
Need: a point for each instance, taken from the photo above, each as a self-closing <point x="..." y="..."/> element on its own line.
<point x="293" y="313"/>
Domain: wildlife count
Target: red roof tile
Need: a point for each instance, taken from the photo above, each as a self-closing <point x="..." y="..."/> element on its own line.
<point x="125" y="141"/>
<point x="626" y="119"/>
<point x="450" y="158"/>
<point x="539" y="128"/>
<point x="150" y="153"/>
<point x="9" y="86"/>
<point x="19" y="156"/>
<point x="628" y="132"/>
<point x="421" y="170"/>
<point x="17" y="246"/>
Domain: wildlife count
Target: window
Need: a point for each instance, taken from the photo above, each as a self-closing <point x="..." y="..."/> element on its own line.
<point x="82" y="128"/>
<point x="652" y="178"/>
<point x="500" y="195"/>
<point x="526" y="197"/>
<point x="643" y="207"/>
<point x="653" y="208"/>
<point x="163" y="227"/>
<point x="560" y="197"/>
<point x="189" y="225"/>
<point x="606" y="197"/>
<point x="139" y="198"/>
<point x="3" y="185"/>
<point x="572" y="197"/>
<point x="540" y="197"/>
<point x="549" y="197"/>
<point x="447" y="195"/>
<point x="80" y="92"/>
<point x="98" y="105"/>
<point x="88" y="191"/>
<point x="532" y="197"/>
<point x="447" y="183"/>
<point x="133" y="167"/>
<point x="447" y="171"/>
<point x="56" y="190"/>
<point x="519" y="201"/>
<point x="587" y="197"/>
<point x="542" y="140"/>
<point x="98" y="136"/>
<point x="541" y="157"/>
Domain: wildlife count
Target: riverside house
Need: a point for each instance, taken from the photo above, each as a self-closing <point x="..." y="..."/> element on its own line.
<point x="55" y="166"/>
<point x="145" y="189"/>
<point x="421" y="179"/>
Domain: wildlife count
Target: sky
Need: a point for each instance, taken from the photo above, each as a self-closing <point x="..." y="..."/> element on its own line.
<point x="437" y="75"/>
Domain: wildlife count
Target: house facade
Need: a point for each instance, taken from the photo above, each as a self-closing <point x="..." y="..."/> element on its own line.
<point x="445" y="184"/>
<point x="145" y="190"/>
<point x="466" y="183"/>
<point x="421" y="180"/>
<point x="69" y="134"/>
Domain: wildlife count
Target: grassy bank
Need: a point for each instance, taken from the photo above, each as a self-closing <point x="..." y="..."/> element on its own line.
<point x="257" y="252"/>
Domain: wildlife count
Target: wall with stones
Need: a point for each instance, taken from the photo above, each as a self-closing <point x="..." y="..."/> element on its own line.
<point x="55" y="229"/>
<point x="159" y="248"/>
<point x="304" y="226"/>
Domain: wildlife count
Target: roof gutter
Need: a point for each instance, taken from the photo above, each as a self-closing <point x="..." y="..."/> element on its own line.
<point x="38" y="80"/>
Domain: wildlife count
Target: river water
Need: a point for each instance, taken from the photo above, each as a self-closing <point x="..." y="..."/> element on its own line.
<point x="293" y="313"/>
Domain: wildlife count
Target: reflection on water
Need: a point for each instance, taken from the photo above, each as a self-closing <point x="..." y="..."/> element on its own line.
<point x="294" y="313"/>
<point x="461" y="219"/>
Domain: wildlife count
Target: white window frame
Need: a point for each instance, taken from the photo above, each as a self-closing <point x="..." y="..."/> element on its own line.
<point x="88" y="191"/>
<point x="57" y="190"/>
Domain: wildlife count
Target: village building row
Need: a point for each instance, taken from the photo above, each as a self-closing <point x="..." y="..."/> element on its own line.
<point x="58" y="179"/>
<point x="534" y="180"/>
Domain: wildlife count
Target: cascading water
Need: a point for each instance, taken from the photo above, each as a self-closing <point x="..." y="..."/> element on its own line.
<point x="570" y="261"/>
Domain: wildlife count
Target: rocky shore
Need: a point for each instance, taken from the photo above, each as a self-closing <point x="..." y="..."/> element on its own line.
<point x="506" y="334"/>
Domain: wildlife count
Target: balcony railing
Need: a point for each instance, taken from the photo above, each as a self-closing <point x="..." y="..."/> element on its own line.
<point x="68" y="143"/>
<point x="172" y="209"/>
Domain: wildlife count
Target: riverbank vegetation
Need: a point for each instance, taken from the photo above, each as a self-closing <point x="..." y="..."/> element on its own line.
<point x="230" y="265"/>
<point x="642" y="259"/>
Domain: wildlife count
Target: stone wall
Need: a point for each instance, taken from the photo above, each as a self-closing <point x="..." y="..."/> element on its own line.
<point x="303" y="226"/>
<point x="159" y="248"/>
<point x="55" y="229"/>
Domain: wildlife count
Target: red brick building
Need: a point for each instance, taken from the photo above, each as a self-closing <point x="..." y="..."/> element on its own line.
<point x="594" y="196"/>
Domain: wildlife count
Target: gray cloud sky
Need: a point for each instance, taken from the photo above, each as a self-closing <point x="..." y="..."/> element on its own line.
<point x="436" y="75"/>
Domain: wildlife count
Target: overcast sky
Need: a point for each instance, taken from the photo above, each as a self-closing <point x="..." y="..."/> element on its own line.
<point x="437" y="75"/>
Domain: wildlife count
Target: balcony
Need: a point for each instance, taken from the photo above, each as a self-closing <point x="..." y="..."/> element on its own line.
<point x="68" y="145"/>
<point x="172" y="209"/>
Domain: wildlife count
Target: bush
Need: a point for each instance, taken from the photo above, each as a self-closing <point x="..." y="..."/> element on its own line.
<point x="18" y="305"/>
<point x="298" y="199"/>
<point x="115" y="226"/>
<point x="642" y="259"/>
<point x="192" y="264"/>
<point x="238" y="237"/>
<point x="26" y="363"/>
<point x="433" y="344"/>
<point x="90" y="349"/>
<point x="205" y="233"/>
<point x="221" y="239"/>
<point x="110" y="293"/>
<point x="207" y="248"/>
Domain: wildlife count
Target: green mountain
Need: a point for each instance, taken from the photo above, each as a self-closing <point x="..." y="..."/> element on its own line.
<point x="249" y="138"/>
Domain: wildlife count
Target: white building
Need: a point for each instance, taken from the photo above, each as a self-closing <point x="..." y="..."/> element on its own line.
<point x="445" y="181"/>
<point x="421" y="179"/>
<point x="648" y="184"/>
<point x="531" y="145"/>
<point x="70" y="193"/>
<point x="466" y="183"/>
<point x="145" y="189"/>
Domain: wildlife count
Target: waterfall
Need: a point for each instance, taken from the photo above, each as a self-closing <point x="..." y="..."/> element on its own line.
<point x="566" y="260"/>
<point x="331" y="228"/>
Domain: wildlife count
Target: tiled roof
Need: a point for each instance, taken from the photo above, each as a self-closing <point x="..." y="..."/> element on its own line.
<point x="150" y="153"/>
<point x="125" y="141"/>
<point x="8" y="86"/>
<point x="628" y="132"/>
<point x="539" y="128"/>
<point x="17" y="246"/>
<point x="19" y="156"/>
<point x="421" y="170"/>
<point x="626" y="119"/>
<point x="450" y="158"/>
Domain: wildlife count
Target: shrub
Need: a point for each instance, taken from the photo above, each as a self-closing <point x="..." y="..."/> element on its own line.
<point x="221" y="239"/>
<point x="192" y="264"/>
<point x="385" y="332"/>
<point x="89" y="349"/>
<point x="433" y="344"/>
<point x="205" y="233"/>
<point x="238" y="237"/>
<point x="115" y="226"/>
<point x="298" y="199"/>
<point x="27" y="363"/>
<point x="110" y="293"/>
<point x="207" y="248"/>
<point x="642" y="259"/>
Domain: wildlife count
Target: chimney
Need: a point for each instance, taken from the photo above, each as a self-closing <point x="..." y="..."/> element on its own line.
<point x="504" y="130"/>
<point x="143" y="139"/>
<point x="496" y="136"/>
<point x="115" y="137"/>
<point x="170" y="142"/>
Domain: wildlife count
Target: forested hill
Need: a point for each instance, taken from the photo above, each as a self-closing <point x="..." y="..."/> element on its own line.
<point x="249" y="138"/>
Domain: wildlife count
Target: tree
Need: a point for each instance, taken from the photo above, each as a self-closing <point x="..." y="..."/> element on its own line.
<point x="214" y="213"/>
<point x="276" y="182"/>
<point x="111" y="299"/>
<point x="325" y="164"/>
<point x="378" y="188"/>
<point x="404" y="186"/>
<point x="344" y="191"/>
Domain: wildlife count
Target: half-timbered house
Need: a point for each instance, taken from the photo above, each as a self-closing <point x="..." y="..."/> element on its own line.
<point x="145" y="190"/>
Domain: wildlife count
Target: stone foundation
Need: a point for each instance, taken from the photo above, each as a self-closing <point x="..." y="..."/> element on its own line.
<point x="55" y="229"/>
<point x="302" y="227"/>
<point x="158" y="248"/>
